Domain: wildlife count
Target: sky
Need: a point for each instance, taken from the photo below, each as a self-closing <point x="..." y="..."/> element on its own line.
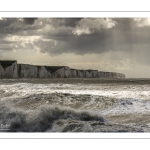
<point x="105" y="44"/>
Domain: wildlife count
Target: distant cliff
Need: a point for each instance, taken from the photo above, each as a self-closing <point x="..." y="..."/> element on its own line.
<point x="10" y="69"/>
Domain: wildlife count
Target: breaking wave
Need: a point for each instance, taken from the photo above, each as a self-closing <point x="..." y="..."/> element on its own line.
<point x="45" y="119"/>
<point x="56" y="119"/>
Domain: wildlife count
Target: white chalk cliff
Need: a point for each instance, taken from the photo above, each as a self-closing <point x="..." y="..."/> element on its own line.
<point x="10" y="69"/>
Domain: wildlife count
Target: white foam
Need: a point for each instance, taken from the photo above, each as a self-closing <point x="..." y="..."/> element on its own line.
<point x="129" y="106"/>
<point x="138" y="95"/>
<point x="22" y="89"/>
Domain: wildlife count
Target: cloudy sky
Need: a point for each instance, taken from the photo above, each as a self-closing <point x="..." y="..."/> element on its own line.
<point x="106" y="44"/>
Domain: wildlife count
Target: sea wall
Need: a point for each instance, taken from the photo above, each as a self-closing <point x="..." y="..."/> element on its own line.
<point x="10" y="69"/>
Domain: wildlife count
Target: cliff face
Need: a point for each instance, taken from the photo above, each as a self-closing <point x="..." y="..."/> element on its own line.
<point x="43" y="73"/>
<point x="73" y="73"/>
<point x="27" y="71"/>
<point x="59" y="71"/>
<point x="110" y="75"/>
<point x="10" y="69"/>
<point x="88" y="74"/>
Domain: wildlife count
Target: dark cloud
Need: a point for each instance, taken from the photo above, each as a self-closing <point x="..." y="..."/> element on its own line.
<point x="71" y="21"/>
<point x="68" y="22"/>
<point x="123" y="37"/>
<point x="79" y="36"/>
<point x="29" y="20"/>
<point x="5" y="22"/>
<point x="14" y="26"/>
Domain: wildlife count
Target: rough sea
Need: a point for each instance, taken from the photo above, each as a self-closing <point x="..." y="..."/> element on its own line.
<point x="74" y="105"/>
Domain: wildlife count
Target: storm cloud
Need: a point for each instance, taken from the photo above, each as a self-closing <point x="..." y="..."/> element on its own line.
<point x="118" y="39"/>
<point x="29" y="20"/>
